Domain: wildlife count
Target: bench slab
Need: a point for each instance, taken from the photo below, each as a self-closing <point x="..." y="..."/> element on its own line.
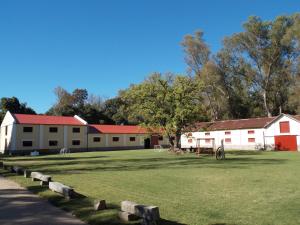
<point x="60" y="188"/>
<point x="40" y="176"/>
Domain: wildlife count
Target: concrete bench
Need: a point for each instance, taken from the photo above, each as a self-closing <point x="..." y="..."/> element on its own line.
<point x="60" y="188"/>
<point x="149" y="214"/>
<point x="45" y="179"/>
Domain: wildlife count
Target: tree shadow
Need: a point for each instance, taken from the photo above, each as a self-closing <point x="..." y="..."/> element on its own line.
<point x="132" y="164"/>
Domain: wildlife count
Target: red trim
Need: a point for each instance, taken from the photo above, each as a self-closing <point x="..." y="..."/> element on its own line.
<point x="228" y="140"/>
<point x="284" y="127"/>
<point x="251" y="140"/>
<point x="207" y="140"/>
<point x="251" y="131"/>
<point x="227" y="132"/>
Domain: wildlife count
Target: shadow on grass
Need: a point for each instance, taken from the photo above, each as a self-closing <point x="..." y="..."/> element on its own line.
<point x="69" y="166"/>
<point x="46" y="158"/>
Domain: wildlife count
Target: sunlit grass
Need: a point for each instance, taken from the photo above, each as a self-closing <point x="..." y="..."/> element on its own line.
<point x="246" y="188"/>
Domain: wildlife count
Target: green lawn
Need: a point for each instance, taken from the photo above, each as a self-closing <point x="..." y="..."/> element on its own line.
<point x="246" y="188"/>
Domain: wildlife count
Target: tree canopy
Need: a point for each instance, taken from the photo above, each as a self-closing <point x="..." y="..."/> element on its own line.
<point x="13" y="105"/>
<point x="167" y="103"/>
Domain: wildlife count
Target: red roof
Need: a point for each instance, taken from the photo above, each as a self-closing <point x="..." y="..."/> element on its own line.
<point x="236" y="124"/>
<point x="46" y="120"/>
<point x="117" y="129"/>
<point x="297" y="117"/>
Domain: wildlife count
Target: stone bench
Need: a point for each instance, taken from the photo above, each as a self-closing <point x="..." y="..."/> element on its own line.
<point x="149" y="214"/>
<point x="60" y="188"/>
<point x="45" y="179"/>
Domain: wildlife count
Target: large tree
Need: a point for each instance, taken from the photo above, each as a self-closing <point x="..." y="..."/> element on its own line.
<point x="80" y="103"/>
<point x="13" y="105"/>
<point x="270" y="50"/>
<point x="166" y="103"/>
<point x="203" y="68"/>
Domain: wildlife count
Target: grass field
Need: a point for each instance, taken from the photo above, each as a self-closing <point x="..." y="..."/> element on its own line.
<point x="246" y="188"/>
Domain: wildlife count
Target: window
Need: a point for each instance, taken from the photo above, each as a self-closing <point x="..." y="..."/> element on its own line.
<point x="207" y="140"/>
<point x="284" y="127"/>
<point x="132" y="139"/>
<point x="75" y="142"/>
<point x="207" y="134"/>
<point x="161" y="138"/>
<point x="53" y="129"/>
<point x="251" y="140"/>
<point x="76" y="129"/>
<point x="27" y="129"/>
<point x="228" y="140"/>
<point x="190" y="140"/>
<point x="53" y="143"/>
<point x="27" y="143"/>
<point x="227" y="132"/>
<point x="251" y="131"/>
<point x="6" y="130"/>
<point x="97" y="139"/>
<point x="115" y="139"/>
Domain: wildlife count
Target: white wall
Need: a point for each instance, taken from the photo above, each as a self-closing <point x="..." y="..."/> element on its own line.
<point x="274" y="130"/>
<point x="239" y="138"/>
<point x="8" y="122"/>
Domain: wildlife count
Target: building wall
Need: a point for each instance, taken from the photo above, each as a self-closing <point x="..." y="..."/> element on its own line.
<point x="92" y="144"/>
<point x="124" y="140"/>
<point x="274" y="130"/>
<point x="41" y="135"/>
<point x="10" y="136"/>
<point x="239" y="138"/>
<point x="47" y="136"/>
<point x="82" y="137"/>
<point x="27" y="136"/>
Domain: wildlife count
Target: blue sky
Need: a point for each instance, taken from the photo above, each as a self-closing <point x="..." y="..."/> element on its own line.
<point x="105" y="46"/>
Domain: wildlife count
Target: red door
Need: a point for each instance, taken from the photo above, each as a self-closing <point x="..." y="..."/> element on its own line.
<point x="154" y="140"/>
<point x="286" y="143"/>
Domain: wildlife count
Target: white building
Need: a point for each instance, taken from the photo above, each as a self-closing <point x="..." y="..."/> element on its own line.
<point x="276" y="133"/>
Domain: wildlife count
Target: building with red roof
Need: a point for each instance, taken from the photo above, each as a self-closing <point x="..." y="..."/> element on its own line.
<point x="24" y="133"/>
<point x="281" y="132"/>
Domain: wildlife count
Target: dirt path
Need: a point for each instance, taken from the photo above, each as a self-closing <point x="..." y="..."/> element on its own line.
<point x="20" y="207"/>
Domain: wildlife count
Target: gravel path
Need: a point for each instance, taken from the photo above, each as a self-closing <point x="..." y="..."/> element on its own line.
<point x="20" y="207"/>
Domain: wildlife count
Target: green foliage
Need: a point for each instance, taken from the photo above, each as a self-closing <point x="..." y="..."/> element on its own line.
<point x="79" y="103"/>
<point x="254" y="74"/>
<point x="14" y="106"/>
<point x="167" y="103"/>
<point x="114" y="108"/>
<point x="270" y="52"/>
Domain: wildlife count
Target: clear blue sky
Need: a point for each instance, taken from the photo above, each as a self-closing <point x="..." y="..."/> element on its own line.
<point x="104" y="46"/>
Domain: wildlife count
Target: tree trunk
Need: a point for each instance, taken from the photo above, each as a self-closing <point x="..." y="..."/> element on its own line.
<point x="266" y="104"/>
<point x="171" y="141"/>
<point x="178" y="135"/>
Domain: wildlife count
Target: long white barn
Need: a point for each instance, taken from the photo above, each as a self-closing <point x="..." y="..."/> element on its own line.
<point x="275" y="133"/>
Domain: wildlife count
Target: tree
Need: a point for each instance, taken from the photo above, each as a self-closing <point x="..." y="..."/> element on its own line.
<point x="196" y="52"/>
<point x="13" y="105"/>
<point x="114" y="108"/>
<point x="79" y="103"/>
<point x="166" y="103"/>
<point x="79" y="97"/>
<point x="270" y="50"/>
